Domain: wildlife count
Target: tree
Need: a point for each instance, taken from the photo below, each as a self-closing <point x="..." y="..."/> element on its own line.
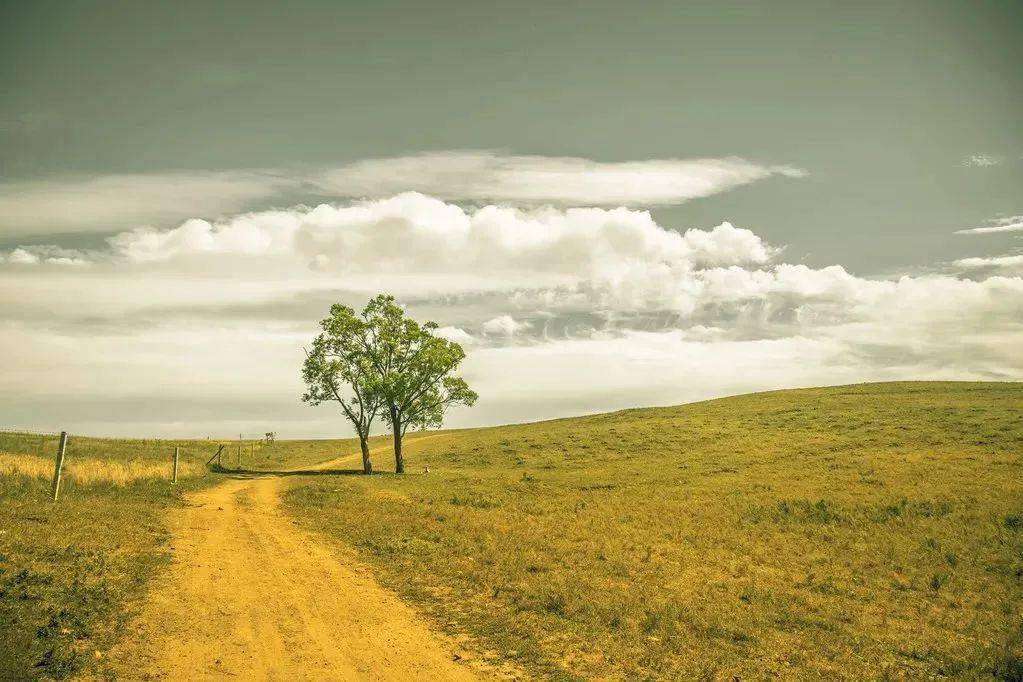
<point x="340" y="368"/>
<point x="413" y="368"/>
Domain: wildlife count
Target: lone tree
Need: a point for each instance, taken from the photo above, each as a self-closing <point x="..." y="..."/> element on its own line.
<point x="413" y="368"/>
<point x="384" y="363"/>
<point x="339" y="368"/>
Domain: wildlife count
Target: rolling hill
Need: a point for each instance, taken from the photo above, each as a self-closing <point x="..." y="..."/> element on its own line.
<point x="846" y="532"/>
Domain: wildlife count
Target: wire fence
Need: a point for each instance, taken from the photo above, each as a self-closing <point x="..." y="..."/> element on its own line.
<point x="31" y="432"/>
<point x="36" y="453"/>
<point x="268" y="436"/>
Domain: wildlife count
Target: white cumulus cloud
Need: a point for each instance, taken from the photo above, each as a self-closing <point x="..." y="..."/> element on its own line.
<point x="504" y="325"/>
<point x="44" y="253"/>
<point x="20" y="256"/>
<point x="456" y="334"/>
<point x="619" y="249"/>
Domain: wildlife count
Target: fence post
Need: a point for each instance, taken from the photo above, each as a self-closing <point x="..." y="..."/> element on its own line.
<point x="216" y="456"/>
<point x="58" y="464"/>
<point x="176" y="448"/>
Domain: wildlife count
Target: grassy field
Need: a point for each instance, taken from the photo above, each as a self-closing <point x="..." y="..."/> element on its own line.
<point x="120" y="460"/>
<point x="73" y="573"/>
<point x="865" y="531"/>
<point x="70" y="572"/>
<point x="870" y="531"/>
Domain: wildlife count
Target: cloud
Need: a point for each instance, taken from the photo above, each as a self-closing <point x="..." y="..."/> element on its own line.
<point x="49" y="254"/>
<point x="22" y="257"/>
<point x="621" y="252"/>
<point x="108" y="203"/>
<point x="111" y="202"/>
<point x="1009" y="224"/>
<point x="249" y="234"/>
<point x="981" y="161"/>
<point x="489" y="176"/>
<point x="1008" y="263"/>
<point x="456" y="334"/>
<point x="549" y="273"/>
<point x="542" y="295"/>
<point x="504" y="325"/>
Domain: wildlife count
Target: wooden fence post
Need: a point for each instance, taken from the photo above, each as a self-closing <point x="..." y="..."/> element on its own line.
<point x="176" y="448"/>
<point x="216" y="456"/>
<point x="58" y="464"/>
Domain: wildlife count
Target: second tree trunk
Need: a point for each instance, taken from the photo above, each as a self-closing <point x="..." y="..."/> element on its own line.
<point x="399" y="462"/>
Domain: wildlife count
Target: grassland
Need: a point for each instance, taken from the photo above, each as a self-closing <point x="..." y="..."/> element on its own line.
<point x="70" y="572"/>
<point x="871" y="531"/>
<point x="73" y="573"/>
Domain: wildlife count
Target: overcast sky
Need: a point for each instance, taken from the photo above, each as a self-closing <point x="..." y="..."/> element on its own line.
<point x="608" y="204"/>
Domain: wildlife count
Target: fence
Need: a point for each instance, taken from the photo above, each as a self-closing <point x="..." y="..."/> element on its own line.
<point x="24" y="452"/>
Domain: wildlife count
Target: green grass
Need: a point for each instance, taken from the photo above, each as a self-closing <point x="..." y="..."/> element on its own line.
<point x="300" y="453"/>
<point x="72" y="572"/>
<point x="863" y="531"/>
<point x="246" y="454"/>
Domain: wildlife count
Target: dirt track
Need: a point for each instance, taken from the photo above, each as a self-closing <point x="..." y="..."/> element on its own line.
<point x="250" y="596"/>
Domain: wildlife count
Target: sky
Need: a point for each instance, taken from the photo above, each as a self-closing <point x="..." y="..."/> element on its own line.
<point x="607" y="204"/>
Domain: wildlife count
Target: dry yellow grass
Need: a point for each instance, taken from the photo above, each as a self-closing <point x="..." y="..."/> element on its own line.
<point x="90" y="471"/>
<point x="853" y="532"/>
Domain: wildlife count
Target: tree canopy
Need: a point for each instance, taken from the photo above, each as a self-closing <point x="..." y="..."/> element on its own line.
<point x="383" y="363"/>
<point x="337" y="368"/>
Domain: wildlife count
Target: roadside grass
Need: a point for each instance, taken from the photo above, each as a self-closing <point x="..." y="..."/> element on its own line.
<point x="145" y="454"/>
<point x="110" y="451"/>
<point x="296" y="454"/>
<point x="91" y="470"/>
<point x="293" y="454"/>
<point x="864" y="531"/>
<point x="72" y="574"/>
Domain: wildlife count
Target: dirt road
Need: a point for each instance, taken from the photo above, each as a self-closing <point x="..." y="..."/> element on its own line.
<point x="249" y="596"/>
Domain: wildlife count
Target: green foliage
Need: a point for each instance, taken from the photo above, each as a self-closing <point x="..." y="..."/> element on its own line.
<point x="391" y="365"/>
<point x="339" y="368"/>
<point x="414" y="367"/>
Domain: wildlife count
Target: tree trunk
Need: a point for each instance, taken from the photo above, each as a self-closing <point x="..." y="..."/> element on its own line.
<point x="367" y="466"/>
<point x="399" y="461"/>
